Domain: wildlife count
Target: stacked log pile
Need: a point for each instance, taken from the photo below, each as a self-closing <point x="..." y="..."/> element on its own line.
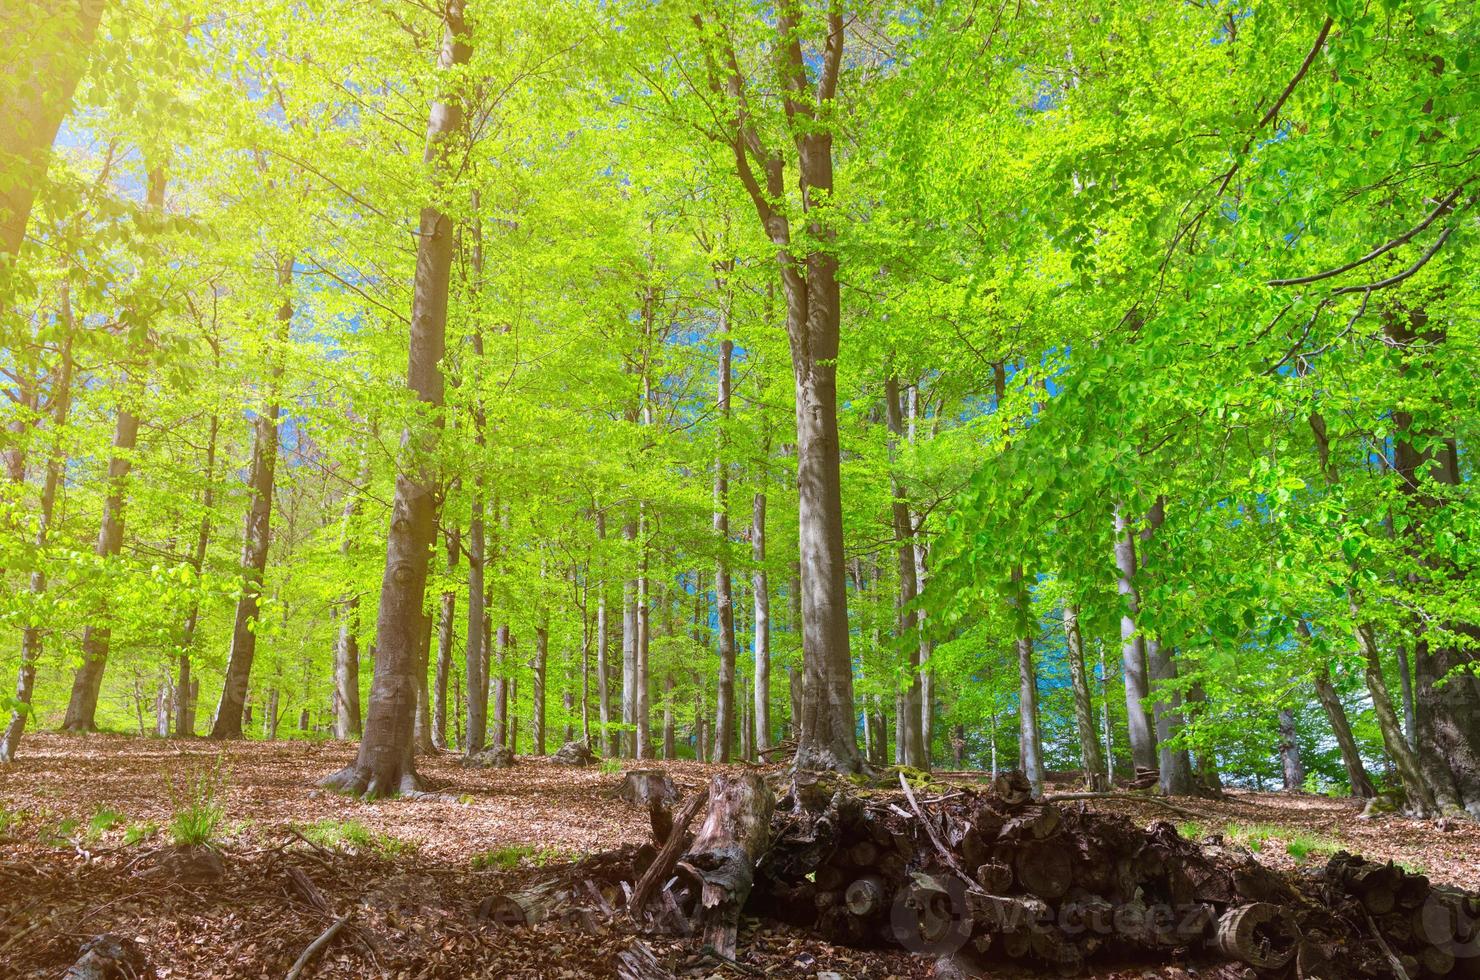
<point x="993" y="879"/>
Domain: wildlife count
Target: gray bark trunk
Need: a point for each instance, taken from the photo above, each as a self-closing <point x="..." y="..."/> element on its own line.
<point x="1091" y="759"/>
<point x="1133" y="649"/>
<point x="386" y="764"/>
<point x="724" y="711"/>
<point x="31" y="636"/>
<point x="256" y="537"/>
<point x="761" y="645"/>
<point x="347" y="645"/>
<point x="609" y="741"/>
<point x="1291" y="767"/>
<point x="911" y="711"/>
<point x="541" y="661"/>
<point x="188" y="685"/>
<point x="446" y="630"/>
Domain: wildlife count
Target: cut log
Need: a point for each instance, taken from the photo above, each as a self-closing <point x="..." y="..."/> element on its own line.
<point x="994" y="877"/>
<point x="933" y="915"/>
<point x="735" y="833"/>
<point x="523" y="908"/>
<point x="110" y="957"/>
<point x="637" y="962"/>
<point x="1032" y="823"/>
<point x="1260" y="934"/>
<point x="575" y="754"/>
<point x="867" y="896"/>
<point x="1043" y="868"/>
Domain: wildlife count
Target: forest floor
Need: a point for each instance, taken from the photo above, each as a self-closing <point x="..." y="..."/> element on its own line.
<point x="84" y="828"/>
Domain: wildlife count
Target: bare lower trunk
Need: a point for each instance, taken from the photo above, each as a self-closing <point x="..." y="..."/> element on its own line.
<point x="187" y="686"/>
<point x="724" y="712"/>
<point x="31" y="636"/>
<point x="761" y="647"/>
<point x="1291" y="766"/>
<point x="347" y="646"/>
<point x="1421" y="801"/>
<point x="1351" y="756"/>
<point x="257" y="537"/>
<point x="477" y="655"/>
<point x="385" y="764"/>
<point x="911" y="714"/>
<point x="603" y="665"/>
<point x="87" y="684"/>
<point x="1133" y="649"/>
<point x="1091" y="759"/>
<point x="445" y="630"/>
<point x="629" y="657"/>
<point x="1030" y="742"/>
<point x="541" y="660"/>
<point x="644" y="734"/>
<point x="501" y="688"/>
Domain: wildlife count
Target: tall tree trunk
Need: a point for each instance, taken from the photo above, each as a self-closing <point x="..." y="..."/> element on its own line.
<point x="609" y="741"/>
<point x="670" y="747"/>
<point x="795" y="689"/>
<point x="1174" y="762"/>
<point x="629" y="656"/>
<point x="1133" y="649"/>
<point x="1291" y="767"/>
<point x="54" y="62"/>
<point x="1341" y="729"/>
<point x="911" y="713"/>
<point x="501" y="688"/>
<point x="1091" y="759"/>
<point x="446" y="629"/>
<point x="813" y="311"/>
<point x="1030" y="742"/>
<point x="386" y="764"/>
<point x="187" y="686"/>
<point x="1405" y="760"/>
<point x="761" y="643"/>
<point x="270" y="715"/>
<point x="347" y="644"/>
<point x="1446" y="684"/>
<point x="31" y="636"/>
<point x="541" y="661"/>
<point x="927" y="676"/>
<point x="643" y="747"/>
<point x="422" y="726"/>
<point x="724" y="712"/>
<point x="477" y="656"/>
<point x="258" y="533"/>
<point x="1405" y="690"/>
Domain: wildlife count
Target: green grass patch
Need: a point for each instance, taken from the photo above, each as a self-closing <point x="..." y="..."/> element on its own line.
<point x="611" y="767"/>
<point x="102" y="821"/>
<point x="1301" y="846"/>
<point x="509" y="857"/>
<point x="1191" y="830"/>
<point x="10" y="818"/>
<point x="134" y="833"/>
<point x="351" y="835"/>
<point x="199" y="808"/>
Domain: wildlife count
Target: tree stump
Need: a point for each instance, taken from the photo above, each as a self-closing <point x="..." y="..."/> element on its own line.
<point x="575" y="754"/>
<point x="523" y="908"/>
<point x="735" y="833"/>
<point x="641" y="787"/>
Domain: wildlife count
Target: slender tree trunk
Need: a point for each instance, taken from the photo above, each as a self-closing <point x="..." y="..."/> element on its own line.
<point x="54" y="63"/>
<point x="643" y="749"/>
<point x="761" y="645"/>
<point x="1133" y="649"/>
<point x="1341" y="729"/>
<point x="1029" y="740"/>
<point x="257" y="536"/>
<point x="1410" y="771"/>
<point x="1405" y="689"/>
<point x="1091" y="760"/>
<point x="609" y="742"/>
<point x="270" y="715"/>
<point x="31" y="635"/>
<point x="386" y="764"/>
<point x="88" y="682"/>
<point x="501" y="688"/>
<point x="347" y="645"/>
<point x="724" y="712"/>
<point x="927" y="676"/>
<point x="446" y="630"/>
<point x="187" y="686"/>
<point x="911" y="712"/>
<point x="1291" y="766"/>
<point x="629" y="656"/>
<point x="477" y="656"/>
<point x="422" y="725"/>
<point x="1174" y="762"/>
<point x="541" y="661"/>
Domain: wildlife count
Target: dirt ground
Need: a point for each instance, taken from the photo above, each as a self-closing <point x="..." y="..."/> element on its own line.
<point x="414" y="871"/>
